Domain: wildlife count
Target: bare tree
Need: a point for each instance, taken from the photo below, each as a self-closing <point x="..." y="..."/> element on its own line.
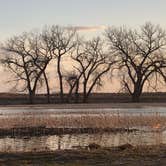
<point x="62" y="40"/>
<point x="26" y="58"/>
<point x="93" y="62"/>
<point x="73" y="80"/>
<point x="139" y="53"/>
<point x="41" y="56"/>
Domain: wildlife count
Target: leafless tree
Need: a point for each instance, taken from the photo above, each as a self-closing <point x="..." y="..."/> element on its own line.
<point x="73" y="80"/>
<point x="41" y="56"/>
<point x="62" y="41"/>
<point x="27" y="57"/>
<point x="93" y="62"/>
<point x="139" y="53"/>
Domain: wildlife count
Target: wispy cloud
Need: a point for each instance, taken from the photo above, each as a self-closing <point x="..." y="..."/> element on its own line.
<point x="89" y="28"/>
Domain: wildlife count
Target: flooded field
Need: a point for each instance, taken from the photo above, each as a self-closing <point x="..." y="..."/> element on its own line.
<point x="73" y="141"/>
<point x="146" y="126"/>
<point x="97" y="109"/>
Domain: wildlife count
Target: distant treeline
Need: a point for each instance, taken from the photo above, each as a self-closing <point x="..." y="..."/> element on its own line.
<point x="136" y="56"/>
<point x="19" y="99"/>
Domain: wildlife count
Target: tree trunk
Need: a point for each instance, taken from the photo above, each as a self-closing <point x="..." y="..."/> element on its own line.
<point x="60" y="79"/>
<point x="135" y="98"/>
<point x="137" y="93"/>
<point x="69" y="94"/>
<point x="47" y="87"/>
<point x="76" y="92"/>
<point x="31" y="97"/>
<point x="84" y="92"/>
<point x="85" y="99"/>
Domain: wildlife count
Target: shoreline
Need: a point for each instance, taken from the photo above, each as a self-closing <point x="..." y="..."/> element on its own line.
<point x="144" y="155"/>
<point x="86" y="105"/>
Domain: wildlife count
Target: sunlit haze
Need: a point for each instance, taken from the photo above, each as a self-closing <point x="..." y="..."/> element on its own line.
<point x="90" y="17"/>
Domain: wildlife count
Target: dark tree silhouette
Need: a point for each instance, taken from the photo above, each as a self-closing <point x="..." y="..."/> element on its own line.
<point x="139" y="53"/>
<point x="73" y="80"/>
<point x="62" y="42"/>
<point x="93" y="62"/>
<point x="28" y="59"/>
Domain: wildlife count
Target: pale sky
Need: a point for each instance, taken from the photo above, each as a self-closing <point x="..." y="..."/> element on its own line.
<point x="17" y="16"/>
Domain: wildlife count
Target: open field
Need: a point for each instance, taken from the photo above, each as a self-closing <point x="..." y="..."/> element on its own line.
<point x="131" y="156"/>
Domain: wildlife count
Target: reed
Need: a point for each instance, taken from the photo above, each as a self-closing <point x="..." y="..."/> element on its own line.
<point x="86" y="120"/>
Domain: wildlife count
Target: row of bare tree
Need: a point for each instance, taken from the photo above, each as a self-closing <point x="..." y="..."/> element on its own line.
<point x="137" y="55"/>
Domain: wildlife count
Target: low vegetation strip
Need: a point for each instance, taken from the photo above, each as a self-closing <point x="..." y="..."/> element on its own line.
<point x="48" y="124"/>
<point x="110" y="99"/>
<point x="43" y="131"/>
<point x="105" y="120"/>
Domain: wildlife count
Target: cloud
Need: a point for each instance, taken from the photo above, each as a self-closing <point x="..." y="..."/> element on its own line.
<point x="89" y="28"/>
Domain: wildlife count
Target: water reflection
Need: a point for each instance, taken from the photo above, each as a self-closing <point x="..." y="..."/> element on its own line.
<point x="39" y="111"/>
<point x="145" y="135"/>
<point x="47" y="143"/>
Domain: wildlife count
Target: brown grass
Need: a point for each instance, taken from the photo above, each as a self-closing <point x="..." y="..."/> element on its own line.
<point x="86" y="120"/>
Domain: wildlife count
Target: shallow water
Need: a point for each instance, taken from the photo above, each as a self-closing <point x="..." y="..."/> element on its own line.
<point x="37" y="110"/>
<point x="145" y="136"/>
<point x="47" y="143"/>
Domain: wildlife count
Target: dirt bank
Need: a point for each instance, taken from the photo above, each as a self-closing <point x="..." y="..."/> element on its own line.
<point x="132" y="156"/>
<point x="86" y="106"/>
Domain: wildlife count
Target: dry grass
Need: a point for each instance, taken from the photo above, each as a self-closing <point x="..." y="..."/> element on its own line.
<point x="88" y="120"/>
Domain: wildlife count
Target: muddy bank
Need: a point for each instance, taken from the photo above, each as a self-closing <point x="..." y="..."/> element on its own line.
<point x="129" y="156"/>
<point x="86" y="105"/>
